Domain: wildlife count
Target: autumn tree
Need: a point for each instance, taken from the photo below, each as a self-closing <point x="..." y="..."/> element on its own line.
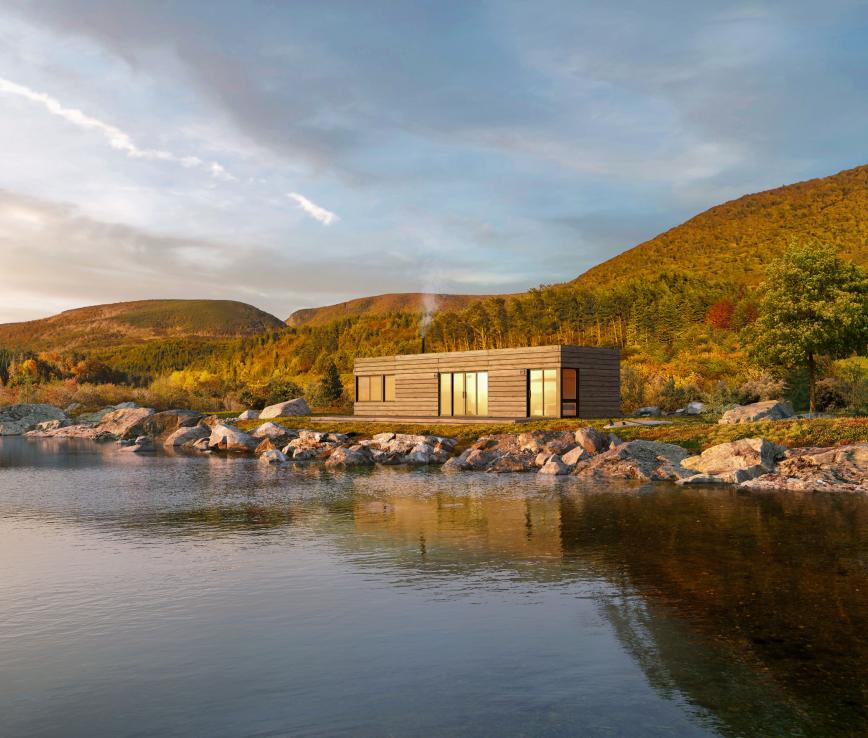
<point x="813" y="305"/>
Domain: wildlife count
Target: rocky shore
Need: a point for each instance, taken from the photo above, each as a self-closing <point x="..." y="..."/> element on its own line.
<point x="751" y="463"/>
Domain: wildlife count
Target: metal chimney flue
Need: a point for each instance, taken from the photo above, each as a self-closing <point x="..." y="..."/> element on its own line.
<point x="423" y="345"/>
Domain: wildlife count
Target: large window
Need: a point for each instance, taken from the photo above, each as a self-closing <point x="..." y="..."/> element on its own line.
<point x="464" y="393"/>
<point x="543" y="393"/>
<point x="375" y="388"/>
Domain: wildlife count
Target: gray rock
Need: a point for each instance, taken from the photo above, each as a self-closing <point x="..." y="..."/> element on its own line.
<point x="50" y="425"/>
<point x="272" y="456"/>
<point x="123" y="422"/>
<point x="187" y="436"/>
<point x="592" y="440"/>
<point x="651" y="411"/>
<point x="279" y="435"/>
<point x="249" y="415"/>
<point x="227" y="438"/>
<point x="141" y="445"/>
<point x="737" y="461"/>
<point x="694" y="408"/>
<point x="573" y="457"/>
<point x="555" y="466"/>
<point x="18" y="419"/>
<point x="640" y="460"/>
<point x="286" y="409"/>
<point x="839" y="469"/>
<point x="350" y="456"/>
<point x="757" y="411"/>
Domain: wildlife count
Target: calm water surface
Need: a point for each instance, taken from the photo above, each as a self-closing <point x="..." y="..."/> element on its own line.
<point x="205" y="596"/>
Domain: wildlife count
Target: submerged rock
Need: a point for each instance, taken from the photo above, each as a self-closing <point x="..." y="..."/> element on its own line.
<point x="766" y="410"/>
<point x="272" y="456"/>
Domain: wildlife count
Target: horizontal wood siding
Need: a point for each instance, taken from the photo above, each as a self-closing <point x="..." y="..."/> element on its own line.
<point x="417" y="379"/>
<point x="599" y="379"/>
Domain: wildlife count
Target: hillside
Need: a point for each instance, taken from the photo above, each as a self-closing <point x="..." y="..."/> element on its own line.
<point x="409" y="302"/>
<point x="99" y="326"/>
<point x="732" y="242"/>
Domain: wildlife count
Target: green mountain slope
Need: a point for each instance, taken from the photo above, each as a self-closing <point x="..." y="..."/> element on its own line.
<point x="100" y="326"/>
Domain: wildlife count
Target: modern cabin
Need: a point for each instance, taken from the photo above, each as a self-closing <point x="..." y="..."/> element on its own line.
<point x="519" y="383"/>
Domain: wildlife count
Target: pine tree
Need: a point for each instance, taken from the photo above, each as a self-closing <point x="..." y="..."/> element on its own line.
<point x="331" y="387"/>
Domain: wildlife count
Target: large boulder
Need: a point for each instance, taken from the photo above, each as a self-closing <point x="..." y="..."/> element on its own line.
<point x="552" y="442"/>
<point x="571" y="458"/>
<point x="766" y="410"/>
<point x="187" y="436"/>
<point x="734" y="462"/>
<point x="18" y="419"/>
<point x="840" y="469"/>
<point x="123" y="423"/>
<point x="163" y="424"/>
<point x="640" y="459"/>
<point x="249" y="415"/>
<point x="286" y="409"/>
<point x="98" y="415"/>
<point x="592" y="440"/>
<point x="226" y="438"/>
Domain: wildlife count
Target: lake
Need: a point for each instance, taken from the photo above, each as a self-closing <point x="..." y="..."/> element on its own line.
<point x="176" y="595"/>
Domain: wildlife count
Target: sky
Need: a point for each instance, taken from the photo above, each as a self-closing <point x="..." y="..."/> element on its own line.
<point x="294" y="154"/>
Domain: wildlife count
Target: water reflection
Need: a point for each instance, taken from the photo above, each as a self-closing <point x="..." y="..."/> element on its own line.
<point x="748" y="612"/>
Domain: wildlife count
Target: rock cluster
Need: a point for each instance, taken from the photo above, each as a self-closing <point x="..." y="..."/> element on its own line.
<point x="751" y="463"/>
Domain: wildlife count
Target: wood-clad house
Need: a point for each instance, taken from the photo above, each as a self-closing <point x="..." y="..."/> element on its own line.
<point x="537" y="381"/>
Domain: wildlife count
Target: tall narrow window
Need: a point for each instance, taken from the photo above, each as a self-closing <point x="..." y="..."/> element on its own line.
<point x="377" y="388"/>
<point x="569" y="393"/>
<point x="550" y="393"/>
<point x="482" y="393"/>
<point x="389" y="388"/>
<point x="536" y="393"/>
<point x="458" y="396"/>
<point x="363" y="389"/>
<point x="470" y="393"/>
<point x="446" y="394"/>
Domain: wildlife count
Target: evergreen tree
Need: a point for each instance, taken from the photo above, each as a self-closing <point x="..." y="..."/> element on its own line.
<point x="331" y="387"/>
<point x="814" y="305"/>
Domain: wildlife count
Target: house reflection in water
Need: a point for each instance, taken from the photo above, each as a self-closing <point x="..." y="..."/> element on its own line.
<point x="716" y="595"/>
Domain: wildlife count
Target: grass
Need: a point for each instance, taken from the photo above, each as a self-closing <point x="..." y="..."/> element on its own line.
<point x="694" y="434"/>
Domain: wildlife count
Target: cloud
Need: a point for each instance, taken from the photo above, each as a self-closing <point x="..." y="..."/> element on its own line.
<point x="326" y="217"/>
<point x="116" y="138"/>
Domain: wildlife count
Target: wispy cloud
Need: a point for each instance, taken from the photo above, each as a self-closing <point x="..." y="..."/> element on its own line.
<point x="326" y="217"/>
<point x="116" y="138"/>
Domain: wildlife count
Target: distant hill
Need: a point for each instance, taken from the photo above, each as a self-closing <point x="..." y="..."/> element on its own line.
<point x="732" y="242"/>
<point x="409" y="302"/>
<point x="99" y="326"/>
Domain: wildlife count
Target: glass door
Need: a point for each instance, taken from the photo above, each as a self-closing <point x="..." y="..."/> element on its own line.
<point x="464" y="393"/>
<point x="543" y="393"/>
